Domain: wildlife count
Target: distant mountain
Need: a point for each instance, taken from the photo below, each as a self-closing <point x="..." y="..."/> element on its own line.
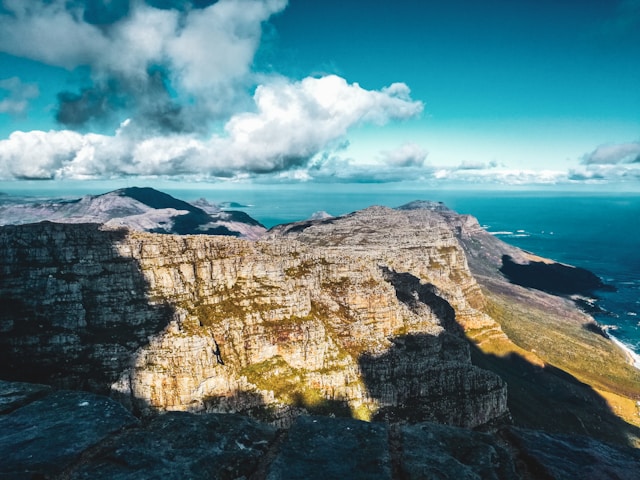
<point x="143" y="209"/>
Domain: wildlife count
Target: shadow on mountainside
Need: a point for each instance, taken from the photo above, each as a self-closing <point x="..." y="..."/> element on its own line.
<point x="430" y="378"/>
<point x="73" y="310"/>
<point x="426" y="377"/>
<point x="412" y="292"/>
<point x="550" y="399"/>
<point x="545" y="398"/>
<point x="300" y="402"/>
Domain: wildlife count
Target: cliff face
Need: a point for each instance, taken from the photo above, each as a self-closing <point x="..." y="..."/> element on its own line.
<point x="359" y="315"/>
<point x="419" y="241"/>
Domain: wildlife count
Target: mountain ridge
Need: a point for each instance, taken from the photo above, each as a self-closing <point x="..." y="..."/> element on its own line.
<point x="392" y="315"/>
<point x="138" y="208"/>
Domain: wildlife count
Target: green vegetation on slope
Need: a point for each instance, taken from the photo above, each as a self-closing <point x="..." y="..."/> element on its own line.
<point x="562" y="376"/>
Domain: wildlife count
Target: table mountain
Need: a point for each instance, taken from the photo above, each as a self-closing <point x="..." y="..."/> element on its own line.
<point x="387" y="314"/>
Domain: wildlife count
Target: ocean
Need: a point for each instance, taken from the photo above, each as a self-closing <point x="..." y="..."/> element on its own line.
<point x="596" y="231"/>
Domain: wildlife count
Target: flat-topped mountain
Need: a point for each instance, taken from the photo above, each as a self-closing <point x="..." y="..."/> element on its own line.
<point x="400" y="315"/>
<point x="141" y="209"/>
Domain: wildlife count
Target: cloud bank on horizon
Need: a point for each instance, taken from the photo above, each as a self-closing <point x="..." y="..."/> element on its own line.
<point x="173" y="83"/>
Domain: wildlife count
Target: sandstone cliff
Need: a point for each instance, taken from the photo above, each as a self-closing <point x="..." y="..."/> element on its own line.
<point x="365" y="315"/>
<point x="364" y="323"/>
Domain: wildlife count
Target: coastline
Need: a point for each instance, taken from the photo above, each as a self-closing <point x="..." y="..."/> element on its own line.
<point x="634" y="358"/>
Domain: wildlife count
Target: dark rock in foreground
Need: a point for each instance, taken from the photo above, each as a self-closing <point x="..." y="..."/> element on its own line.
<point x="14" y="395"/>
<point x="181" y="445"/>
<point x="50" y="434"/>
<point x="322" y="448"/>
<point x="564" y="456"/>
<point x="79" y="435"/>
<point x="430" y="450"/>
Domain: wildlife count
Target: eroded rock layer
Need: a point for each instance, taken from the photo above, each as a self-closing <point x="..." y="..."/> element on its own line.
<point x="359" y="316"/>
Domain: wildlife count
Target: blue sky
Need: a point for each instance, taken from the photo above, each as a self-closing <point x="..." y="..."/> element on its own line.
<point x="495" y="93"/>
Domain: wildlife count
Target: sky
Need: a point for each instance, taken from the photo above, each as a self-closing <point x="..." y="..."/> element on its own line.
<point x="457" y="92"/>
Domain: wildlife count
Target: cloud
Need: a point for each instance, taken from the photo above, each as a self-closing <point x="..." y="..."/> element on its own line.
<point x="177" y="69"/>
<point x="477" y="165"/>
<point x="501" y="176"/>
<point x="606" y="173"/>
<point x="16" y="95"/>
<point x="585" y="176"/>
<point x="293" y="122"/>
<point x="37" y="155"/>
<point x="407" y="155"/>
<point x="203" y="51"/>
<point x="614" y="154"/>
<point x="612" y="163"/>
<point x="334" y="168"/>
<point x="76" y="109"/>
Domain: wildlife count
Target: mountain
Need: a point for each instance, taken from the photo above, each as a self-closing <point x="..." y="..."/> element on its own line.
<point x="141" y="209"/>
<point x="398" y="316"/>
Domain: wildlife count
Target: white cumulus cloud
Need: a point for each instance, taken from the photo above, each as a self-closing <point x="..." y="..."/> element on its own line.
<point x="145" y="60"/>
<point x="292" y="123"/>
<point x="15" y="95"/>
<point x="407" y="155"/>
<point x="295" y="120"/>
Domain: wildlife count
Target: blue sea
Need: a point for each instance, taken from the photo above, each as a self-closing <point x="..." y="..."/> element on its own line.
<point x="597" y="231"/>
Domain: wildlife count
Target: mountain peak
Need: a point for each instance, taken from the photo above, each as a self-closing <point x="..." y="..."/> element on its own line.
<point x="138" y="208"/>
<point x="155" y="199"/>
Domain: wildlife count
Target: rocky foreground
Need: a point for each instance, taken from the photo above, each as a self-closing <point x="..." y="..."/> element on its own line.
<point x="79" y="435"/>
<point x="406" y="317"/>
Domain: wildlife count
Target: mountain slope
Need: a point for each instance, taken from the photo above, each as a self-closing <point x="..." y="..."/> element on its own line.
<point x="141" y="209"/>
<point x="556" y="359"/>
<point x="400" y="315"/>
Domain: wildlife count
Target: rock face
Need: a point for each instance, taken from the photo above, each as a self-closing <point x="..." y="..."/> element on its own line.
<point x="417" y="241"/>
<point x="359" y="315"/>
<point x="79" y="435"/>
<point x="66" y="292"/>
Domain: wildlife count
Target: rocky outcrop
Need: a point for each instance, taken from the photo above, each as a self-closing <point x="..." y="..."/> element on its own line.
<point x="49" y="434"/>
<point x="419" y="241"/>
<point x="78" y="435"/>
<point x="333" y="320"/>
<point x="363" y="315"/>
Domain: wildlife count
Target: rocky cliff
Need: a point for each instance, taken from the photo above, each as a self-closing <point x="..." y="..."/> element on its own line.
<point x="367" y="315"/>
<point x="361" y="321"/>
